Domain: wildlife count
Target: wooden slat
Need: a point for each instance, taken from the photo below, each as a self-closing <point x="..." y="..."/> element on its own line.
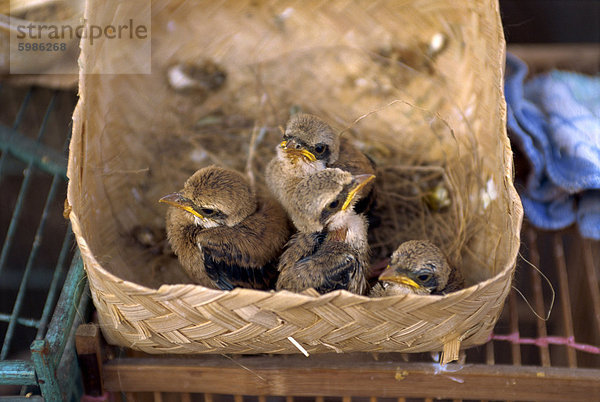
<point x="490" y="358"/>
<point x="89" y="356"/>
<point x="314" y="376"/>
<point x="592" y="280"/>
<point x="538" y="296"/>
<point x="513" y="319"/>
<point x="565" y="299"/>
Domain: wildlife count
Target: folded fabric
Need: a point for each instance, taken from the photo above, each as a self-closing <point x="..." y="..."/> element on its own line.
<point x="554" y="119"/>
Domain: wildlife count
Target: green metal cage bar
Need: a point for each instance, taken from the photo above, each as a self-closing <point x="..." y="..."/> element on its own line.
<point x="16" y="123"/>
<point x="47" y="352"/>
<point x="36" y="242"/>
<point x="53" y="366"/>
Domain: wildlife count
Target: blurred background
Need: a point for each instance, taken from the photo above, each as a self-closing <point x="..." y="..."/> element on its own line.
<point x="551" y="21"/>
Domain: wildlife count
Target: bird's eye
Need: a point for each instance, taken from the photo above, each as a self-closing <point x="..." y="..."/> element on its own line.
<point x="320" y="148"/>
<point x="424" y="277"/>
<point x="333" y="204"/>
<point x="207" y="211"/>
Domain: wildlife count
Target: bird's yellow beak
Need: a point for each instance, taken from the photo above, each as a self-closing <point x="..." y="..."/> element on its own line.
<point x="179" y="201"/>
<point x="390" y="275"/>
<point x="295" y="153"/>
<point x="361" y="181"/>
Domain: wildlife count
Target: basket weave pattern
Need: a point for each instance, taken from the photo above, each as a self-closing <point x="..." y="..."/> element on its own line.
<point x="116" y="122"/>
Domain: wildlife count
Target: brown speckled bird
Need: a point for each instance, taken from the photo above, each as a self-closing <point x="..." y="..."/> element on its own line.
<point x="418" y="267"/>
<point x="224" y="235"/>
<point x="330" y="252"/>
<point x="310" y="145"/>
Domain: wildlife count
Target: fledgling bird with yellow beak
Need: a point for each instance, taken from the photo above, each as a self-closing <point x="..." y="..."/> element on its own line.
<point x="310" y="145"/>
<point x="223" y="234"/>
<point x="330" y="252"/>
<point x="418" y="267"/>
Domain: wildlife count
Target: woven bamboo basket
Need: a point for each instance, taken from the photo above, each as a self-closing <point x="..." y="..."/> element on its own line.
<point x="425" y="75"/>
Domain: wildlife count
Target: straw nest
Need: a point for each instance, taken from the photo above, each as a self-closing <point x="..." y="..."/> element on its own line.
<point x="416" y="85"/>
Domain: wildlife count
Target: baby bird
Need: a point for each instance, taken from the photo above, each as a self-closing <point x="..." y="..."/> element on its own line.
<point x="310" y="145"/>
<point x="418" y="267"/>
<point x="224" y="235"/>
<point x="330" y="252"/>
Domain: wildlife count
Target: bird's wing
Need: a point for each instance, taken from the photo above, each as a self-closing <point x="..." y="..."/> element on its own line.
<point x="300" y="246"/>
<point x="245" y="255"/>
<point x="331" y="269"/>
<point x="255" y="241"/>
<point x="228" y="274"/>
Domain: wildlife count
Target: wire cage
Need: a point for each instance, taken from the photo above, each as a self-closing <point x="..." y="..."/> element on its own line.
<point x="38" y="257"/>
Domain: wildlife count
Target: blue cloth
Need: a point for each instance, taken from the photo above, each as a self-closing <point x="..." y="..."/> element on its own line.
<point x="554" y="119"/>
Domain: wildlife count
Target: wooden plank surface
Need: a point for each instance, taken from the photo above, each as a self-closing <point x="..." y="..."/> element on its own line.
<point x="89" y="355"/>
<point x="355" y="376"/>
